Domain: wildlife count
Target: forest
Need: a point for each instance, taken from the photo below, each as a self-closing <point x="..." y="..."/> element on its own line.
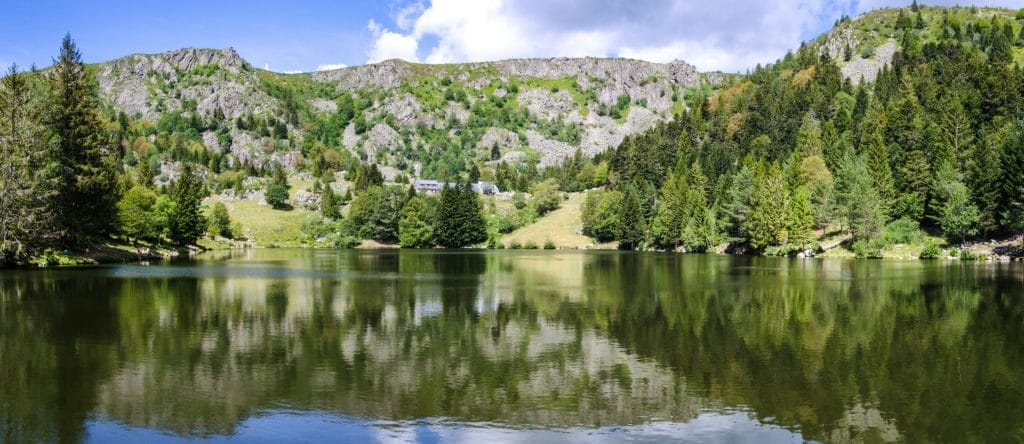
<point x="790" y="158"/>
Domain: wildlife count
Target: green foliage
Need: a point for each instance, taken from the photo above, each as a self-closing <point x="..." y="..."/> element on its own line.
<point x="601" y="214"/>
<point x="1013" y="179"/>
<point x="330" y="205"/>
<point x="135" y="214"/>
<point x="631" y="225"/>
<point x="868" y="249"/>
<point x="416" y="225"/>
<point x="766" y="225"/>
<point x="26" y="175"/>
<point x="902" y="231"/>
<point x="546" y="196"/>
<point x="549" y="244"/>
<point x="959" y="215"/>
<point x="931" y="250"/>
<point x="87" y="192"/>
<point x="460" y="221"/>
<point x="220" y="221"/>
<point x="376" y="211"/>
<point x="530" y="245"/>
<point x="276" y="195"/>
<point x="187" y="224"/>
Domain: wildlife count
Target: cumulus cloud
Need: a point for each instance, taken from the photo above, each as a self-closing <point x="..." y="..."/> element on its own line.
<point x="729" y="35"/>
<point x="331" y="66"/>
<point x="390" y="45"/>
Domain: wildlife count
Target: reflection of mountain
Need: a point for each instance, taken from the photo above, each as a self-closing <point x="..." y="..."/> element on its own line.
<point x="841" y="351"/>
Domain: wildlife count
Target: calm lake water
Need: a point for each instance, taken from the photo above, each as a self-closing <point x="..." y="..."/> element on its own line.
<point x="526" y="346"/>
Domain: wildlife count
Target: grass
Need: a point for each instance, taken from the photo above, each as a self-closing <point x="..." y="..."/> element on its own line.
<point x="561" y="227"/>
<point x="269" y="227"/>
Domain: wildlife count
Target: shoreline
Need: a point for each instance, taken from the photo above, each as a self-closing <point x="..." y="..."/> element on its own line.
<point x="123" y="254"/>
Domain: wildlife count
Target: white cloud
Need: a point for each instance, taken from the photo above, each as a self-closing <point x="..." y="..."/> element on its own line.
<point x="331" y="66"/>
<point x="730" y="35"/>
<point x="390" y="45"/>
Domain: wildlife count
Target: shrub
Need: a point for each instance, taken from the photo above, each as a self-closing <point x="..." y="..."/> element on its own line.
<point x="931" y="250"/>
<point x="868" y="249"/>
<point x="549" y="245"/>
<point x="902" y="231"/>
<point x="276" y="195"/>
<point x="515" y="245"/>
<point x="968" y="255"/>
<point x="531" y="245"/>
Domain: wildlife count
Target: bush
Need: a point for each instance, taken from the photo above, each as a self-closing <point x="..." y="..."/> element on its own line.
<point x="531" y="245"/>
<point x="515" y="245"/>
<point x="868" y="249"/>
<point x="968" y="255"/>
<point x="902" y="231"/>
<point x="931" y="251"/>
<point x="549" y="245"/>
<point x="954" y="252"/>
<point x="276" y="195"/>
<point x="220" y="222"/>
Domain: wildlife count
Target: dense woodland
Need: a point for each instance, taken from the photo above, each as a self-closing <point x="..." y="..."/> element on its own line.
<point x="784" y="158"/>
<point x="793" y="151"/>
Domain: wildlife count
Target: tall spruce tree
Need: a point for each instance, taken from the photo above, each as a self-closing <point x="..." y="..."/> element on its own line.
<point x="87" y="191"/>
<point x="26" y="181"/>
<point x="630" y="231"/>
<point x="766" y="225"/>
<point x="1013" y="180"/>
<point x="187" y="223"/>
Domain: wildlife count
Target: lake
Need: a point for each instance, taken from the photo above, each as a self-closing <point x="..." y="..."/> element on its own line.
<point x="524" y="346"/>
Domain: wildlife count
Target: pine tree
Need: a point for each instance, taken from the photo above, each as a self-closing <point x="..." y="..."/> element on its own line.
<point x="188" y="223"/>
<point x="87" y="183"/>
<point x="766" y="225"/>
<point x="667" y="224"/>
<point x="1013" y="180"/>
<point x="809" y="138"/>
<point x="878" y="166"/>
<point x="460" y="220"/>
<point x="329" y="205"/>
<point x="26" y="181"/>
<point x="800" y="219"/>
<point x="630" y="231"/>
<point x="859" y="201"/>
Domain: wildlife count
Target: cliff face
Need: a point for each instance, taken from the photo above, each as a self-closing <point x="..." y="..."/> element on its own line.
<point x="565" y="104"/>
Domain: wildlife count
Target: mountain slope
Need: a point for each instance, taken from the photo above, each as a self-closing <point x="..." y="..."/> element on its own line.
<point x="418" y="119"/>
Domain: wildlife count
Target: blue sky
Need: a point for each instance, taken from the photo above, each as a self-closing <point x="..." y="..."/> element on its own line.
<point x="304" y="35"/>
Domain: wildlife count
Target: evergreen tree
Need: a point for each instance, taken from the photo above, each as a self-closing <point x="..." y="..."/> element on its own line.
<point x="737" y="200"/>
<point x="667" y="224"/>
<point x="766" y="225"/>
<point x="86" y="201"/>
<point x="800" y="219"/>
<point x="188" y="223"/>
<point x="630" y="230"/>
<point x="330" y="207"/>
<point x="878" y="166"/>
<point x="26" y="180"/>
<point x="861" y="205"/>
<point x="460" y="221"/>
<point x="984" y="174"/>
<point x="1013" y="180"/>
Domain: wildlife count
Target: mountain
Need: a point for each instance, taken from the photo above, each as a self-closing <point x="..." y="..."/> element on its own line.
<point x="420" y="119"/>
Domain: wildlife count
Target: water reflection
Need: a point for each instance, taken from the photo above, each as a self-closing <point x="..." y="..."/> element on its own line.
<point x="601" y="344"/>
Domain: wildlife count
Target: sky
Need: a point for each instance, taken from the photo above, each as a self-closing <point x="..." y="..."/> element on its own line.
<point x="307" y="35"/>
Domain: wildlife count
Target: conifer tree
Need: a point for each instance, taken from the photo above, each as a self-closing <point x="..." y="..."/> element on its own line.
<point x="87" y="192"/>
<point x="1013" y="180"/>
<point x="878" y="166"/>
<point x="329" y="205"/>
<point x="766" y="225"/>
<point x="187" y="223"/>
<point x="800" y="219"/>
<point x="630" y="231"/>
<point x="26" y="182"/>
